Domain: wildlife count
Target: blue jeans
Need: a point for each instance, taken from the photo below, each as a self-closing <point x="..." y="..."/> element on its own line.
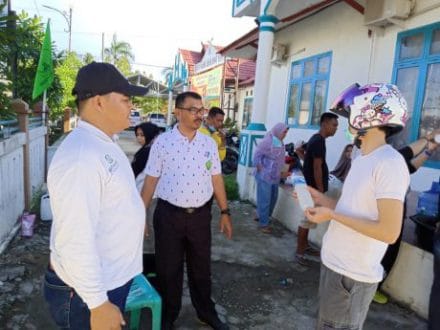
<point x="267" y="194"/>
<point x="434" y="302"/>
<point x="67" y="309"/>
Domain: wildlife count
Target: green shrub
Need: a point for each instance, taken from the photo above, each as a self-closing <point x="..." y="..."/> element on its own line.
<point x="231" y="187"/>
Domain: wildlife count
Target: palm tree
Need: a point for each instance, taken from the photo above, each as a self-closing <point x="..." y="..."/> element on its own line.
<point x="118" y="51"/>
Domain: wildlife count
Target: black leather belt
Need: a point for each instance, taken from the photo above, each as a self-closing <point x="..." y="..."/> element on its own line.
<point x="187" y="210"/>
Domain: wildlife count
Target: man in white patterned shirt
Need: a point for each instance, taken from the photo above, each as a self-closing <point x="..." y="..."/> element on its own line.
<point x="184" y="172"/>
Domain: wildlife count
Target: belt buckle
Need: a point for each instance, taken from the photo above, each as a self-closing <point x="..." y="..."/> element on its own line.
<point x="190" y="210"/>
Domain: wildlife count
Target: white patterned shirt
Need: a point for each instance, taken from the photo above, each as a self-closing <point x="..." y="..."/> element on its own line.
<point x="184" y="168"/>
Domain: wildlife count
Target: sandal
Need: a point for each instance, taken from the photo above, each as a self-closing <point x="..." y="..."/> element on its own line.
<point x="300" y="259"/>
<point x="266" y="230"/>
<point x="312" y="251"/>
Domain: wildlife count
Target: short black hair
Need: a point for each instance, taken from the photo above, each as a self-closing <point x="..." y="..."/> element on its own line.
<point x="327" y="116"/>
<point x="180" y="99"/>
<point x="390" y="130"/>
<point x="214" y="111"/>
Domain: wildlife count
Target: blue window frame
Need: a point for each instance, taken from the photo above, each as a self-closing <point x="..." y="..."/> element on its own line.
<point x="417" y="74"/>
<point x="308" y="87"/>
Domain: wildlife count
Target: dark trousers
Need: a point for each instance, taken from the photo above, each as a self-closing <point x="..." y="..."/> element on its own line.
<point x="181" y="236"/>
<point x="434" y="302"/>
<point x="67" y="309"/>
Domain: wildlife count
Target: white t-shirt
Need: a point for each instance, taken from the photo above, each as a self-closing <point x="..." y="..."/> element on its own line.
<point x="98" y="215"/>
<point x="185" y="168"/>
<point x="382" y="174"/>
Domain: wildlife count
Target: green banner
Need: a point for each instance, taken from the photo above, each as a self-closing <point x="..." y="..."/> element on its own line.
<point x="45" y="74"/>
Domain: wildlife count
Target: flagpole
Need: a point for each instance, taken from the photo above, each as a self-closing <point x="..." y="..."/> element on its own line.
<point x="43" y="111"/>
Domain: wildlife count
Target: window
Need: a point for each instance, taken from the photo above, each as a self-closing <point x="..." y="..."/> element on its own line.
<point x="308" y="86"/>
<point x="417" y="74"/>
<point x="247" y="112"/>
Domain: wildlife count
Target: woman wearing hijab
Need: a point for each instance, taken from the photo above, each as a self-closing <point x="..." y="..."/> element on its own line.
<point x="269" y="161"/>
<point x="145" y="134"/>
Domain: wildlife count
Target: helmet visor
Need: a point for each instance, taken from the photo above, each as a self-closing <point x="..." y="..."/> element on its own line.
<point x="341" y="105"/>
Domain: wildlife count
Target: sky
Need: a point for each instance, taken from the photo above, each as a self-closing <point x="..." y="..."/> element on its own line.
<point x="155" y="29"/>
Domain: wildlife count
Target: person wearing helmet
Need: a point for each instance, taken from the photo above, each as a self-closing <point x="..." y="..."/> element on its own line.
<point x="368" y="215"/>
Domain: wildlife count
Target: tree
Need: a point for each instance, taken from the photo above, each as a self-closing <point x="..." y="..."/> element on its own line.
<point x="88" y="58"/>
<point x="120" y="54"/>
<point x="150" y="104"/>
<point x="24" y="45"/>
<point x="66" y="71"/>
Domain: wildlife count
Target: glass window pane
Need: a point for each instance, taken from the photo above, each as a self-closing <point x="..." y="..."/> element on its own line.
<point x="319" y="101"/>
<point x="293" y="109"/>
<point x="430" y="119"/>
<point x="247" y="112"/>
<point x="296" y="71"/>
<point x="324" y="64"/>
<point x="304" y="107"/>
<point x="435" y="44"/>
<point x="411" y="46"/>
<point x="309" y="68"/>
<point x="407" y="83"/>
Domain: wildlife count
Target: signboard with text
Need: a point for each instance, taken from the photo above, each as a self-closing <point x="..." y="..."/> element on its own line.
<point x="208" y="85"/>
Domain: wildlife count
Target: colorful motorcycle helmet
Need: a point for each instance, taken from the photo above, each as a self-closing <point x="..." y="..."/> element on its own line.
<point x="372" y="105"/>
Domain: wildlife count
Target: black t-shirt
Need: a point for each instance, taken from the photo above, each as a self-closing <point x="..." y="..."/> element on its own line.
<point x="315" y="149"/>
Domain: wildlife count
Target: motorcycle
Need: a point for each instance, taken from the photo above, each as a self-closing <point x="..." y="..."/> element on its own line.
<point x="230" y="163"/>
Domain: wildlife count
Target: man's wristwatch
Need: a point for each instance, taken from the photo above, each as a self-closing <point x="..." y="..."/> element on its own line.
<point x="225" y="211"/>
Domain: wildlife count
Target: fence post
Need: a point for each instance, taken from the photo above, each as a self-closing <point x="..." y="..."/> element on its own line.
<point x="22" y="110"/>
<point x="66" y="120"/>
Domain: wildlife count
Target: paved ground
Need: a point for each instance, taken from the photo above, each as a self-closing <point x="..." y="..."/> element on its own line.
<point x="256" y="284"/>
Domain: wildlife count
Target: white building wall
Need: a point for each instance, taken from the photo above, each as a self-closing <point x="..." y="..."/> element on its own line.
<point x="36" y="156"/>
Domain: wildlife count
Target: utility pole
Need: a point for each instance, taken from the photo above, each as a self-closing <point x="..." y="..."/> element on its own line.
<point x="68" y="18"/>
<point x="102" y="47"/>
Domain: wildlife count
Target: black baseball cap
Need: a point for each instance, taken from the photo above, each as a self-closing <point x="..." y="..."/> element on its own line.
<point x="98" y="78"/>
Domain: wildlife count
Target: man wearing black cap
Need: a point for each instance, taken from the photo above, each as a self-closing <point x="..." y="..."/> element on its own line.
<point x="98" y="215"/>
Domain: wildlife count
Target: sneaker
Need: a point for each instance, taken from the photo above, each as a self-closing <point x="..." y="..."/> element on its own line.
<point x="266" y="230"/>
<point x="301" y="259"/>
<point x="380" y="298"/>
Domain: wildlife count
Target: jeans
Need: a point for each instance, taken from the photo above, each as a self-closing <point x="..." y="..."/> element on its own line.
<point x="267" y="194"/>
<point x="434" y="302"/>
<point x="343" y="302"/>
<point x="67" y="308"/>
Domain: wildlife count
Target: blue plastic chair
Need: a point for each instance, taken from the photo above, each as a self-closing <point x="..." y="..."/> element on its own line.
<point x="142" y="295"/>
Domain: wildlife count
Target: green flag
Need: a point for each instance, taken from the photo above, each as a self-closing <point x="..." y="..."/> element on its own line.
<point x="44" y="76"/>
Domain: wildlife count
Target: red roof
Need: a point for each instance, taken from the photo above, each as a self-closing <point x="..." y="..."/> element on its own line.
<point x="191" y="58"/>
<point x="246" y="70"/>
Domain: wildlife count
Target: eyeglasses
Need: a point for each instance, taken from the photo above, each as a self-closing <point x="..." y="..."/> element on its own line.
<point x="195" y="111"/>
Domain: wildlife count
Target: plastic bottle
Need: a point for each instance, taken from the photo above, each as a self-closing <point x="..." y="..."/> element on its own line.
<point x="437" y="138"/>
<point x="304" y="198"/>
